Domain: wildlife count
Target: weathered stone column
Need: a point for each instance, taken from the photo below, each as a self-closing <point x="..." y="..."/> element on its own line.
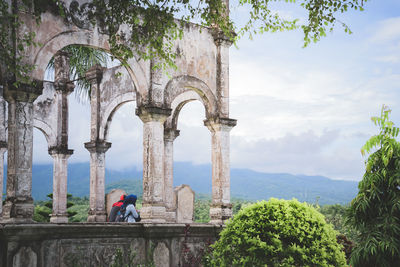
<point x="3" y="149"/>
<point x="97" y="208"/>
<point x="94" y="76"/>
<point x="19" y="203"/>
<point x="97" y="149"/>
<point x="153" y="208"/>
<point x="60" y="173"/>
<point x="60" y="152"/>
<point x="223" y="44"/>
<point x="221" y="208"/>
<point x="3" y="143"/>
<point x="169" y="137"/>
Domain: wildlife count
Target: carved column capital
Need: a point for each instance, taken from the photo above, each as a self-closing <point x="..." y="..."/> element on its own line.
<point x="221" y="39"/>
<point x="220" y="124"/>
<point x="61" y="72"/>
<point x="24" y="92"/>
<point x="65" y="86"/>
<point x="60" y="150"/>
<point x="171" y="134"/>
<point x="98" y="146"/>
<point x="94" y="74"/>
<point x="150" y="113"/>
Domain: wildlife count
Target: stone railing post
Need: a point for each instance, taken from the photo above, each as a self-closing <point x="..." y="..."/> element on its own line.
<point x="169" y="136"/>
<point x="18" y="207"/>
<point x="221" y="208"/>
<point x="97" y="149"/>
<point x="153" y="208"/>
<point x="60" y="152"/>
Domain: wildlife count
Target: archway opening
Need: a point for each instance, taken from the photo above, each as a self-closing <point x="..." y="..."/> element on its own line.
<point x="125" y="157"/>
<point x="192" y="157"/>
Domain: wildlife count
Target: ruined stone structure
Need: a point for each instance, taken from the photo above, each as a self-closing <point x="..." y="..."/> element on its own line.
<point x="96" y="245"/>
<point x="202" y="75"/>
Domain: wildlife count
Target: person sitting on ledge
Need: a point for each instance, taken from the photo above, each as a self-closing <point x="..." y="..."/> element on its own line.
<point x="116" y="207"/>
<point x="131" y="215"/>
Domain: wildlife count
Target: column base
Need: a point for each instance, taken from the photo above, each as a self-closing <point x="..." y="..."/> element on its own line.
<point x="170" y="216"/>
<point x="97" y="216"/>
<point x="153" y="214"/>
<point x="59" y="218"/>
<point x="220" y="213"/>
<point x="18" y="211"/>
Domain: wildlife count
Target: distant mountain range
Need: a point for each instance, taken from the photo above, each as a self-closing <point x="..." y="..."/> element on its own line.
<point x="245" y="183"/>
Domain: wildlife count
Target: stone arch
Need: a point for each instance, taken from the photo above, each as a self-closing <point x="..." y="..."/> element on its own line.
<point x="87" y="38"/>
<point x="47" y="131"/>
<point x="177" y="105"/>
<point x="110" y="110"/>
<point x="181" y="84"/>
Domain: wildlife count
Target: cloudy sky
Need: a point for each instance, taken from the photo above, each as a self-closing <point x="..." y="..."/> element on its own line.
<point x="299" y="110"/>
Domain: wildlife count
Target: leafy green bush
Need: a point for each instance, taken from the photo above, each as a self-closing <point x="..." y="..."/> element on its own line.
<point x="277" y="233"/>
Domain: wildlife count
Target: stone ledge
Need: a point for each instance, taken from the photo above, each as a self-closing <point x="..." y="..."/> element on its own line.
<point x="95" y="244"/>
<point x="41" y="231"/>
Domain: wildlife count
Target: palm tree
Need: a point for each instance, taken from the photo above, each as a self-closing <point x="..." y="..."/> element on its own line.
<point x="82" y="58"/>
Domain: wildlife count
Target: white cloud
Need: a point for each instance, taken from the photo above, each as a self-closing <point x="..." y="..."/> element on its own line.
<point x="388" y="30"/>
<point x="389" y="59"/>
<point x="306" y="153"/>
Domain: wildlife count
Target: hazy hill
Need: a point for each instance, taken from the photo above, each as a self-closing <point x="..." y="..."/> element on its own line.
<point x="245" y="183"/>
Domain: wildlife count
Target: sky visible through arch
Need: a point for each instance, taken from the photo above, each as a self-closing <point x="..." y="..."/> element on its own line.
<point x="299" y="110"/>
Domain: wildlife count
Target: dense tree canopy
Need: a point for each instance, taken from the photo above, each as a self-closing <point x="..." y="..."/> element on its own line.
<point x="153" y="25"/>
<point x="375" y="212"/>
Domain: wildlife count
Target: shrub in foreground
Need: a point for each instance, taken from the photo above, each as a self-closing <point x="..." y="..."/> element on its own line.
<point x="277" y="233"/>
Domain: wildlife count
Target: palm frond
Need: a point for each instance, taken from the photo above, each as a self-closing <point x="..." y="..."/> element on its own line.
<point x="82" y="58"/>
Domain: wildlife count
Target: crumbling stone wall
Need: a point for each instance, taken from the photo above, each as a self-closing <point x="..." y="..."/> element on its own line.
<point x="96" y="245"/>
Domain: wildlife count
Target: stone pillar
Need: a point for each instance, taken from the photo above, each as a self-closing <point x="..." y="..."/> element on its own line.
<point x="19" y="203"/>
<point x="153" y="208"/>
<point x="97" y="149"/>
<point x="3" y="149"/>
<point x="223" y="44"/>
<point x="97" y="209"/>
<point x="60" y="173"/>
<point x="60" y="152"/>
<point x="3" y="143"/>
<point x="169" y="137"/>
<point x="221" y="208"/>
